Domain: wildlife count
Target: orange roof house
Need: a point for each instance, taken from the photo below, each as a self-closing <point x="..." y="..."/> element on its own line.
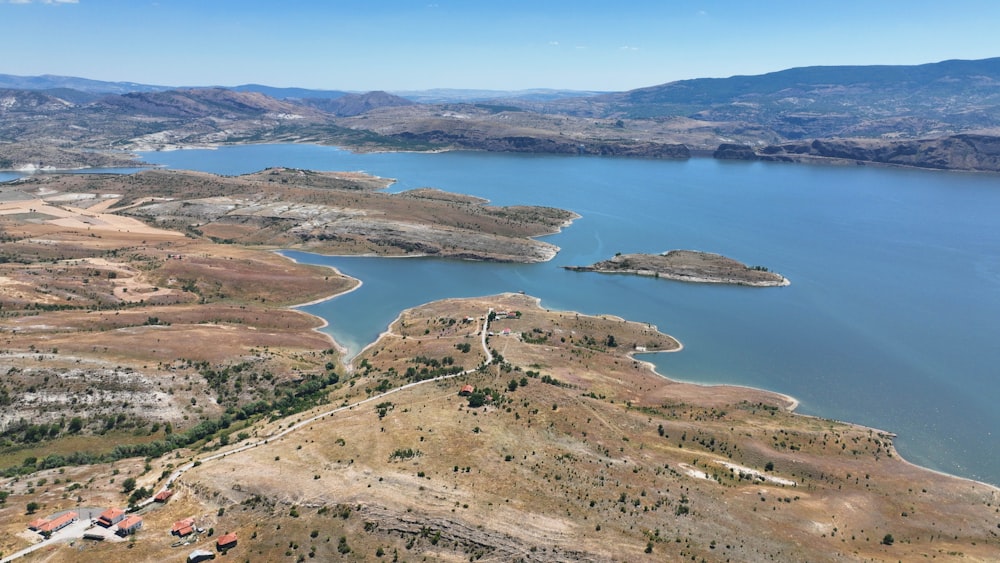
<point x="129" y="525"/>
<point x="58" y="523"/>
<point x="183" y="527"/>
<point x="467" y="390"/>
<point x="110" y="517"/>
<point x="163" y="495"/>
<point x="226" y="541"/>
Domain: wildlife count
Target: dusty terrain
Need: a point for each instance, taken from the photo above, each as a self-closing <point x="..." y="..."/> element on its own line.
<point x="580" y="453"/>
<point x="689" y="266"/>
<point x="131" y="326"/>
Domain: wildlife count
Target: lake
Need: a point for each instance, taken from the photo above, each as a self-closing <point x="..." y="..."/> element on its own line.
<point x="891" y="320"/>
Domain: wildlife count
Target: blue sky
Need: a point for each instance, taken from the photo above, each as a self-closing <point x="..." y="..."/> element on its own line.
<point x="501" y="44"/>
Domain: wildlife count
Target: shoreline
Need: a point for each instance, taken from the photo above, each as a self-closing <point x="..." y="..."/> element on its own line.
<point x="323" y="322"/>
<point x="791" y="403"/>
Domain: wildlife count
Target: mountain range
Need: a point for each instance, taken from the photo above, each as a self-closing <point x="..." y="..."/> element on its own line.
<point x="777" y="115"/>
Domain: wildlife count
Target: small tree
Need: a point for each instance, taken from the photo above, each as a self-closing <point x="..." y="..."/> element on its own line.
<point x="32" y="507"/>
<point x="888" y="539"/>
<point x="128" y="485"/>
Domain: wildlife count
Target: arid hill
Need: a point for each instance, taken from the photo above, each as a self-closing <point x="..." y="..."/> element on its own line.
<point x="688" y="266"/>
<point x="563" y="448"/>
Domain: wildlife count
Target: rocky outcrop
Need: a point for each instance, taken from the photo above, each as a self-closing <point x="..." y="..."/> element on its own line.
<point x="730" y="151"/>
<point x="972" y="152"/>
<point x="463" y="537"/>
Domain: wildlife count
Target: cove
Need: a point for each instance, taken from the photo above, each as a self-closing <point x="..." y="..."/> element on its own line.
<point x="891" y="320"/>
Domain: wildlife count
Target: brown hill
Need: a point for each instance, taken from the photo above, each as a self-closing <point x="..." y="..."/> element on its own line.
<point x="356" y="104"/>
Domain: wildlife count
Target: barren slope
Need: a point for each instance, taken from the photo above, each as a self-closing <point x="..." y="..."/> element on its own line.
<point x="580" y="453"/>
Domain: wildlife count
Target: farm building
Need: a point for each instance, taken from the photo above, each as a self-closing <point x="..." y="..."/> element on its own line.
<point x="58" y="523"/>
<point x="37" y="524"/>
<point x="226" y="541"/>
<point x="129" y="525"/>
<point x="466" y="390"/>
<point x="110" y="517"/>
<point x="183" y="527"/>
<point x="163" y="495"/>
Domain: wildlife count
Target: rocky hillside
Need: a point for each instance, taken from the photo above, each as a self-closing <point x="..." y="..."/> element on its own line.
<point x="957" y="152"/>
<point x="208" y="102"/>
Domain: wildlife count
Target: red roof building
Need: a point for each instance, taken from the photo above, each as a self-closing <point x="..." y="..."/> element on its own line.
<point x="110" y="517"/>
<point x="58" y="523"/>
<point x="163" y="495"/>
<point x="467" y="390"/>
<point x="183" y="527"/>
<point x="226" y="541"/>
<point x="37" y="523"/>
<point x="129" y="525"/>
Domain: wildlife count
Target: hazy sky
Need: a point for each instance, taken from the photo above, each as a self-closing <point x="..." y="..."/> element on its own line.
<point x="498" y="44"/>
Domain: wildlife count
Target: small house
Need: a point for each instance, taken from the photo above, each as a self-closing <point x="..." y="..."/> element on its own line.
<point x="466" y="390"/>
<point x="110" y="517"/>
<point x="183" y="527"/>
<point x="129" y="525"/>
<point x="226" y="541"/>
<point x="59" y="522"/>
<point x="163" y="495"/>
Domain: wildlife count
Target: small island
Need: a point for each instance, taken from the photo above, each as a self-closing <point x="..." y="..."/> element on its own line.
<point x="688" y="266"/>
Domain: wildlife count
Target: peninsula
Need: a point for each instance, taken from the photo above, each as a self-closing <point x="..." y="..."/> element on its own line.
<point x="323" y="212"/>
<point x="687" y="266"/>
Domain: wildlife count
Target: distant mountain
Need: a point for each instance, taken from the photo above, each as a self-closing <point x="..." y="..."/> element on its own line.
<point x="197" y="103"/>
<point x="824" y="101"/>
<point x="73" y="96"/>
<point x="449" y="95"/>
<point x="289" y="93"/>
<point x="49" y="82"/>
<point x="356" y="104"/>
<point x="943" y="78"/>
<point x="30" y="101"/>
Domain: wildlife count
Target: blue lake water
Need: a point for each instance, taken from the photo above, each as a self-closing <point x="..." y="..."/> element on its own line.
<point x="891" y="321"/>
